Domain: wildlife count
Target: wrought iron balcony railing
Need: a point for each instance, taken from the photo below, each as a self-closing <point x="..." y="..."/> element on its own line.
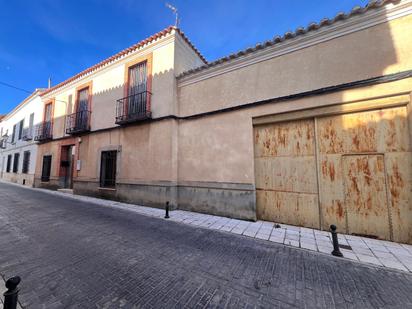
<point x="78" y="122"/>
<point x="43" y="131"/>
<point x="133" y="108"/>
<point x="27" y="134"/>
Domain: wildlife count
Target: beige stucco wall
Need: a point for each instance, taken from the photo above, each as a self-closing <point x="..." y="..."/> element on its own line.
<point x="220" y="147"/>
<point x="144" y="153"/>
<point x="372" y="52"/>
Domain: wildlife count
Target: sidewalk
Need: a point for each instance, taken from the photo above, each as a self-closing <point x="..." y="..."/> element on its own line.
<point x="377" y="252"/>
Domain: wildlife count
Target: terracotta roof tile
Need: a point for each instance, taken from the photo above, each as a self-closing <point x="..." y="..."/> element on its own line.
<point x="373" y="4"/>
<point x="124" y="52"/>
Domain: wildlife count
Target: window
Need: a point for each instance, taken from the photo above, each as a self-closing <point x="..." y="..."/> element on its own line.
<point x="31" y="124"/>
<point x="26" y="162"/>
<point x="13" y="134"/>
<point x="137" y="89"/>
<point x="48" y="112"/>
<point x="108" y="169"/>
<point x="45" y="174"/>
<point x="8" y="163"/>
<point x="82" y="112"/>
<point x="21" y="124"/>
<point x="16" y="162"/>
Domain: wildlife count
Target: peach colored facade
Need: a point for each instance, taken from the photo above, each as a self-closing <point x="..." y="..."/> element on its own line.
<point x="217" y="142"/>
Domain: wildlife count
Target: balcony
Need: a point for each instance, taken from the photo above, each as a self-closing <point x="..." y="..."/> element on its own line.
<point x="43" y="131"/>
<point x="27" y="134"/>
<point x="78" y="122"/>
<point x="133" y="108"/>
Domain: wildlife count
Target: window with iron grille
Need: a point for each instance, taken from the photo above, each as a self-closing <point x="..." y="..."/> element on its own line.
<point x="8" y="163"/>
<point x="46" y="169"/>
<point x="26" y="162"/>
<point x="16" y="162"/>
<point x="108" y="169"/>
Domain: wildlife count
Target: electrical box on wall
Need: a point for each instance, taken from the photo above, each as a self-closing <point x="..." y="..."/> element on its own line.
<point x="79" y="165"/>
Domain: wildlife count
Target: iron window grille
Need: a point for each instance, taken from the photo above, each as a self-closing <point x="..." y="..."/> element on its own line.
<point x="133" y="108"/>
<point x="108" y="169"/>
<point x="46" y="169"/>
<point x="43" y="131"/>
<point x="78" y="122"/>
<point x="16" y="162"/>
<point x="26" y="162"/>
<point x="8" y="169"/>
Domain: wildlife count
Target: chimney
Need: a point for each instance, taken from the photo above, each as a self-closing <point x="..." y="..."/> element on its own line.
<point x="49" y="82"/>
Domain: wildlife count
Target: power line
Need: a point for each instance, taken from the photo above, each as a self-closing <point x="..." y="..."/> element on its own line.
<point x="14" y="87"/>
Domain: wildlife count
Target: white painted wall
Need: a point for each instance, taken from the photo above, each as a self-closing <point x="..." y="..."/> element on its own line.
<point x="32" y="105"/>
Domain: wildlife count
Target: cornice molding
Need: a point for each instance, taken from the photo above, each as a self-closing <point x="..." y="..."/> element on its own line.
<point x="338" y="29"/>
<point x="150" y="47"/>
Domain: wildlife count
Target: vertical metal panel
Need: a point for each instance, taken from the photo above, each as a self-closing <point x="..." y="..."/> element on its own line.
<point x="332" y="193"/>
<point x="373" y="132"/>
<point x="285" y="168"/>
<point x="399" y="181"/>
<point x="365" y="195"/>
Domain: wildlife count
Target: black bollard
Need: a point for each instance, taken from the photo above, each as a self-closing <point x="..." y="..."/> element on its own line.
<point x="167" y="210"/>
<point x="10" y="296"/>
<point x="336" y="251"/>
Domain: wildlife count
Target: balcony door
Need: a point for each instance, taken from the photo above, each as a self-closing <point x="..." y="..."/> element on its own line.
<point x="82" y="109"/>
<point x="137" y="95"/>
<point x="48" y="116"/>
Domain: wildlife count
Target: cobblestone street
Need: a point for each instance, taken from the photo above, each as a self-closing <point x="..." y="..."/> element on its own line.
<point x="73" y="254"/>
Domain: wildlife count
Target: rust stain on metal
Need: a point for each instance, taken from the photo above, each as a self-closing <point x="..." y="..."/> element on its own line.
<point x="396" y="182"/>
<point x="366" y="195"/>
<point x="355" y="150"/>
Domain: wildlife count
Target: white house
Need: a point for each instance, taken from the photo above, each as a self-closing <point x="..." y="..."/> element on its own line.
<point x="18" y="150"/>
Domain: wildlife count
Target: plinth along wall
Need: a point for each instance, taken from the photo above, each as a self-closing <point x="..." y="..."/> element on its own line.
<point x="311" y="131"/>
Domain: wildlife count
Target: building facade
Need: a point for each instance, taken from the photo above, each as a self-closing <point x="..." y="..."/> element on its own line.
<point x="18" y="150"/>
<point x="311" y="128"/>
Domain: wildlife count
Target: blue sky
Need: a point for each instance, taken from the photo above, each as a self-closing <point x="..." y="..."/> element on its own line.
<point x="59" y="38"/>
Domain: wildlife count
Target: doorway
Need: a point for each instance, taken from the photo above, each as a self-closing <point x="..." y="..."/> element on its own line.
<point x="66" y="166"/>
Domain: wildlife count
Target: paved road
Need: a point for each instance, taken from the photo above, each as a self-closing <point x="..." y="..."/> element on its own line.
<point x="72" y="254"/>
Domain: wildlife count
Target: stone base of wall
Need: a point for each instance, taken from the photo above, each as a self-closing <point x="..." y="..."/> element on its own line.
<point x="231" y="200"/>
<point x="23" y="179"/>
<point x="146" y="195"/>
<point x="53" y="184"/>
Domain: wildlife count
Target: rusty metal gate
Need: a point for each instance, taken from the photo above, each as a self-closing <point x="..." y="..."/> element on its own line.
<point x="285" y="163"/>
<point x="353" y="170"/>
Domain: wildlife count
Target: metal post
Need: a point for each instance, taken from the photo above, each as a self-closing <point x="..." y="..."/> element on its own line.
<point x="336" y="251"/>
<point x="167" y="210"/>
<point x="10" y="296"/>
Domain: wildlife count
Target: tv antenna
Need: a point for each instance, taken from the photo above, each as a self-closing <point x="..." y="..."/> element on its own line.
<point x="174" y="10"/>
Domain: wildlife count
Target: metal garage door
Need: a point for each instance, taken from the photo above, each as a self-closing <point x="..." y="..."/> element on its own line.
<point x="362" y="162"/>
<point x="285" y="163"/>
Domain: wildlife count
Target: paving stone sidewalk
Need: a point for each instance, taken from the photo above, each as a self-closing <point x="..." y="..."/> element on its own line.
<point x="365" y="250"/>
